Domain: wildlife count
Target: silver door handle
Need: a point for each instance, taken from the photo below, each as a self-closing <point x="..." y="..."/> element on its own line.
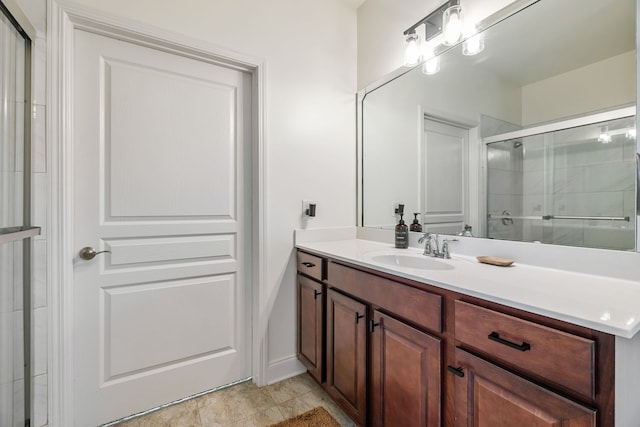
<point x="88" y="253"/>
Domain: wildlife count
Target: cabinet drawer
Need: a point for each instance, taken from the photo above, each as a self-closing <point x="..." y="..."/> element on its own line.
<point x="487" y="395"/>
<point x="558" y="357"/>
<point x="414" y="305"/>
<point x="311" y="265"/>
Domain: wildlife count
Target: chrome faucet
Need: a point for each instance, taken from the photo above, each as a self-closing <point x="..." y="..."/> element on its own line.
<point x="431" y="244"/>
<point x="445" y="248"/>
<point x="431" y="247"/>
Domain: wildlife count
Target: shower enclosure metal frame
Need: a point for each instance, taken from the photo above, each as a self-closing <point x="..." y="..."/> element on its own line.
<point x="26" y="230"/>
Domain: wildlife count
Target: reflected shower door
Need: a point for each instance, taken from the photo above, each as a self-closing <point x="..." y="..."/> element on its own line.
<point x="592" y="193"/>
<point x="574" y="186"/>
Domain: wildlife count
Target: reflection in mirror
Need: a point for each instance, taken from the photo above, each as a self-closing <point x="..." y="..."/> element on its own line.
<point x="509" y="141"/>
<point x="572" y="186"/>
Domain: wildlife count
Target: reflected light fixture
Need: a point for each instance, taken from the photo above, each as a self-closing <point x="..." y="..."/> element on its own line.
<point x="474" y="41"/>
<point x="432" y="62"/>
<point x="631" y="133"/>
<point x="431" y="66"/>
<point x="605" y="136"/>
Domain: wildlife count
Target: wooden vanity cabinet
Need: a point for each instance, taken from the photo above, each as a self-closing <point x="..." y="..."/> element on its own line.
<point x="486" y="395"/>
<point x="311" y="297"/>
<point x="404" y="353"/>
<point x="347" y="354"/>
<point x="564" y="360"/>
<point x="383" y="371"/>
<point x="406" y="372"/>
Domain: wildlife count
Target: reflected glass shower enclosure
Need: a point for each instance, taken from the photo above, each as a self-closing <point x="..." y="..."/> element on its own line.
<point x="568" y="183"/>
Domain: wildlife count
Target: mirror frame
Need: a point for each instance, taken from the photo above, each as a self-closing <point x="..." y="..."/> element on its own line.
<point x="491" y="20"/>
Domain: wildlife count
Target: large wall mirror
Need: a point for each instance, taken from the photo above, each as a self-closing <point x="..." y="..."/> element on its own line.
<point x="533" y="139"/>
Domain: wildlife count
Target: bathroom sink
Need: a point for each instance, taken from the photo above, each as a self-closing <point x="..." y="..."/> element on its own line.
<point x="420" y="262"/>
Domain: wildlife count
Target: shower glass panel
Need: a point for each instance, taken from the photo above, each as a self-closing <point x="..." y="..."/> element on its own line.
<point x="572" y="186"/>
<point x="15" y="230"/>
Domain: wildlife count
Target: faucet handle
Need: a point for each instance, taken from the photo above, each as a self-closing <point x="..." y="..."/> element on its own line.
<point x="445" y="248"/>
<point x="424" y="236"/>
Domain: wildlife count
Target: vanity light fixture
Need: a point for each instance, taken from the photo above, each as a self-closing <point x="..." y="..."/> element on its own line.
<point x="605" y="136"/>
<point x="631" y="133"/>
<point x="428" y="28"/>
<point x="443" y="26"/>
<point x="411" y="49"/>
<point x="452" y="25"/>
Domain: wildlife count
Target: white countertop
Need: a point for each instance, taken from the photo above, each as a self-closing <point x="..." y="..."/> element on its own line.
<point x="605" y="304"/>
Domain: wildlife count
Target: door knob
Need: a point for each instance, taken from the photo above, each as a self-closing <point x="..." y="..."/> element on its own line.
<point x="88" y="253"/>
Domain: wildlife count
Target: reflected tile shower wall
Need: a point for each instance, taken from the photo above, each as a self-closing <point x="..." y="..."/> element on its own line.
<point x="541" y="182"/>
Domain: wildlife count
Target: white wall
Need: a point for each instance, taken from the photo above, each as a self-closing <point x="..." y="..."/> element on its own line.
<point x="381" y="24"/>
<point x="577" y="92"/>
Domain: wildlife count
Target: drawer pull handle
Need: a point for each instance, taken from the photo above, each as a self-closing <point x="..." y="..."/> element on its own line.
<point x="308" y="264"/>
<point x="372" y="325"/>
<point x="316" y="294"/>
<point x="358" y="317"/>
<point x="456" y="371"/>
<point x="494" y="336"/>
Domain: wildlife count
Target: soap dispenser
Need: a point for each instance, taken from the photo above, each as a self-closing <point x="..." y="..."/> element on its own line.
<point x="402" y="232"/>
<point x="415" y="225"/>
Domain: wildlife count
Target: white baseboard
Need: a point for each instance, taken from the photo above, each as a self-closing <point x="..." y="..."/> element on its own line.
<point x="282" y="369"/>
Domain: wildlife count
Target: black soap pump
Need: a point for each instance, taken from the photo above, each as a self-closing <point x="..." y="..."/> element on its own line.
<point x="415" y="225"/>
<point x="402" y="231"/>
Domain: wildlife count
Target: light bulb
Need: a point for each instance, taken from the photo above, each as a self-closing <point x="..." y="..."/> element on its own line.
<point x="631" y="133"/>
<point x="604" y="136"/>
<point x="452" y="25"/>
<point x="431" y="66"/>
<point x="411" y="50"/>
<point x="474" y="43"/>
<point x="431" y="63"/>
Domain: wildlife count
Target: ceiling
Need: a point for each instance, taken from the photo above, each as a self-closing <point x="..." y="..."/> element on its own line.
<point x="354" y="3"/>
<point x="568" y="34"/>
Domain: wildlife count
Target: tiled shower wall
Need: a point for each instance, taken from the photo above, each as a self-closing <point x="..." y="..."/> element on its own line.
<point x="39" y="243"/>
<point x="569" y="173"/>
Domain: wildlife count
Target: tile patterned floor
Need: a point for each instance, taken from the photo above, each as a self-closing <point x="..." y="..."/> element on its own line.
<point x="245" y="405"/>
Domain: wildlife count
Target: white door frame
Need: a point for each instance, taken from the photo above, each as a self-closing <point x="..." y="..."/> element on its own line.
<point x="62" y="21"/>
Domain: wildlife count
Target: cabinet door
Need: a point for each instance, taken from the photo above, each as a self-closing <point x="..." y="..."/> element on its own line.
<point x="346" y="354"/>
<point x="405" y="375"/>
<point x="310" y="321"/>
<point x="488" y="396"/>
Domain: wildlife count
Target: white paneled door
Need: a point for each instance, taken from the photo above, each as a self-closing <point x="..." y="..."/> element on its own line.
<point x="160" y="184"/>
<point x="444" y="187"/>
